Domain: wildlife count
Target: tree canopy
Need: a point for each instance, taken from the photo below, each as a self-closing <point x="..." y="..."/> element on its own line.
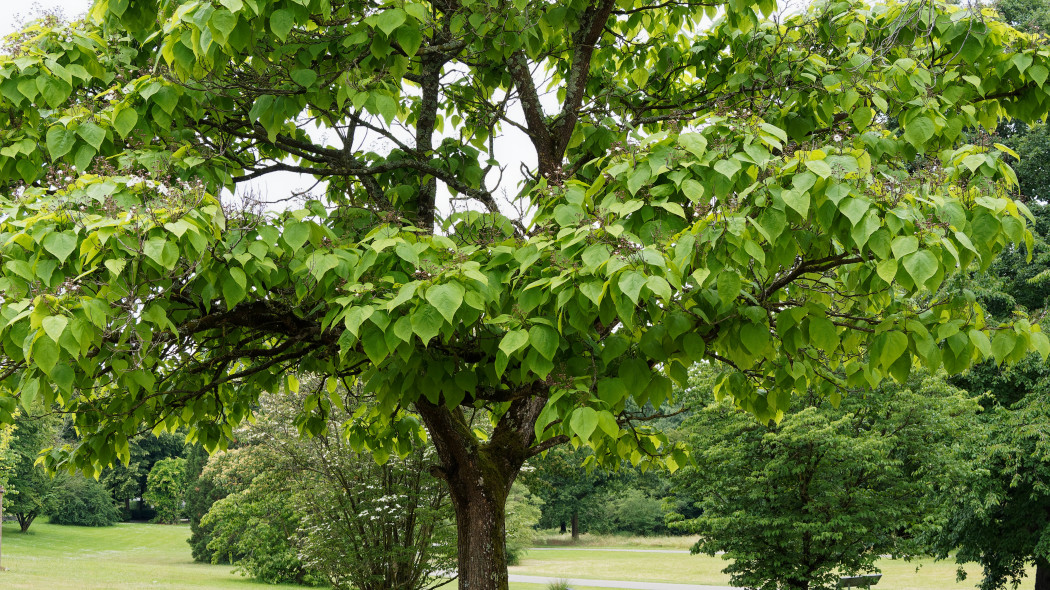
<point x="829" y="490"/>
<point x="782" y="197"/>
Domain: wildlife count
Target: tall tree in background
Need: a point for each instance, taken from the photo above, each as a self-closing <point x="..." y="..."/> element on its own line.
<point x="829" y="489"/>
<point x="1002" y="522"/>
<point x="29" y="487"/>
<point x="704" y="184"/>
<point x="128" y="481"/>
<point x="566" y="487"/>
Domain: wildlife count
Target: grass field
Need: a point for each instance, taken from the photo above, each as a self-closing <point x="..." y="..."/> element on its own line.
<point x="585" y="559"/>
<point x="122" y="557"/>
<point x="136" y="556"/>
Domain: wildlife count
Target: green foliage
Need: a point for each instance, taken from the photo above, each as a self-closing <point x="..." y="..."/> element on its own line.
<point x="1000" y="522"/>
<point x="570" y="493"/>
<point x="862" y="238"/>
<point x="165" y="487"/>
<point x="28" y="486"/>
<point x="1027" y="15"/>
<point x="829" y="489"/>
<point x="313" y="510"/>
<point x="779" y="197"/>
<point x="81" y="501"/>
<point x="633" y="511"/>
<point x="598" y="501"/>
<point x="523" y="514"/>
<point x="126" y="482"/>
<point x="201" y="492"/>
<point x="255" y="528"/>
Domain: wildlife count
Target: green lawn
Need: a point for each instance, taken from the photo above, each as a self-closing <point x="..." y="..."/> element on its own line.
<point x="593" y="563"/>
<point x="122" y="557"/>
<point x="136" y="556"/>
<point x="119" y="557"/>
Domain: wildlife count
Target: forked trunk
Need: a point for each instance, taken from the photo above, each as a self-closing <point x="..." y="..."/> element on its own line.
<point x="24" y="520"/>
<point x="1042" y="574"/>
<point x="479" y="475"/>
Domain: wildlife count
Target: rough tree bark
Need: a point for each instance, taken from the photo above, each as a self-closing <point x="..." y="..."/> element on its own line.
<point x="1042" y="574"/>
<point x="479" y="477"/>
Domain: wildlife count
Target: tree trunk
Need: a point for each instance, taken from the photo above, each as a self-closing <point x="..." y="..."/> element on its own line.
<point x="482" y="550"/>
<point x="479" y="475"/>
<point x="1042" y="574"/>
<point x="575" y="525"/>
<point x="24" y="520"/>
<point x="563" y="527"/>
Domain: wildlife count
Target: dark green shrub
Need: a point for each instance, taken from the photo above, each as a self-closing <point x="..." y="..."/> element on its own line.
<point x="77" y="500"/>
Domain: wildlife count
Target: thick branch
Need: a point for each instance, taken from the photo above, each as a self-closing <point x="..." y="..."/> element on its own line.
<point x="592" y="24"/>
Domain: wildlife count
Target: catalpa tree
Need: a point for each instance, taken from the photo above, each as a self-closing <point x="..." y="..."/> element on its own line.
<point x="781" y="197"/>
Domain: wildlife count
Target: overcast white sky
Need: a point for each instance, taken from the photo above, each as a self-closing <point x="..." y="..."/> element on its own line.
<point x="25" y="10"/>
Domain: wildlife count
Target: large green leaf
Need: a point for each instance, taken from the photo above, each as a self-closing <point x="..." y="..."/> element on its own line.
<point x="513" y="341"/>
<point x="60" y="244"/>
<point x="921" y="265"/>
<point x="446" y="298"/>
<point x="583" y="422"/>
<point x="281" y="23"/>
<point x="545" y="340"/>
<point x="304" y="77"/>
<point x="631" y="283"/>
<point x="390" y="19"/>
<point x="45" y="354"/>
<point x="93" y="134"/>
<point x="55" y="325"/>
<point x="919" y="130"/>
<point x="755" y="337"/>
<point x="60" y="141"/>
<point x="295" y="234"/>
<point x="124" y="120"/>
<point x="695" y="143"/>
<point x="426" y="322"/>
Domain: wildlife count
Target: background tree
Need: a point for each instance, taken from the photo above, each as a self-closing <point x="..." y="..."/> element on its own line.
<point x="255" y="528"/>
<point x="567" y="488"/>
<point x="829" y="489"/>
<point x="201" y="492"/>
<point x="29" y="487"/>
<point x="165" y="488"/>
<point x="699" y="190"/>
<point x="523" y="515"/>
<point x="1001" y="521"/>
<point x="128" y="482"/>
<point x="577" y="499"/>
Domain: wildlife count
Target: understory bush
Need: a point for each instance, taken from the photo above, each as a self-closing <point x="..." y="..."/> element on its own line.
<point x="314" y="511"/>
<point x="255" y="529"/>
<point x="77" y="500"/>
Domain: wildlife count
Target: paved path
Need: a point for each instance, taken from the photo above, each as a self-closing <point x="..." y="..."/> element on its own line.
<point x="616" y="583"/>
<point x="681" y="551"/>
